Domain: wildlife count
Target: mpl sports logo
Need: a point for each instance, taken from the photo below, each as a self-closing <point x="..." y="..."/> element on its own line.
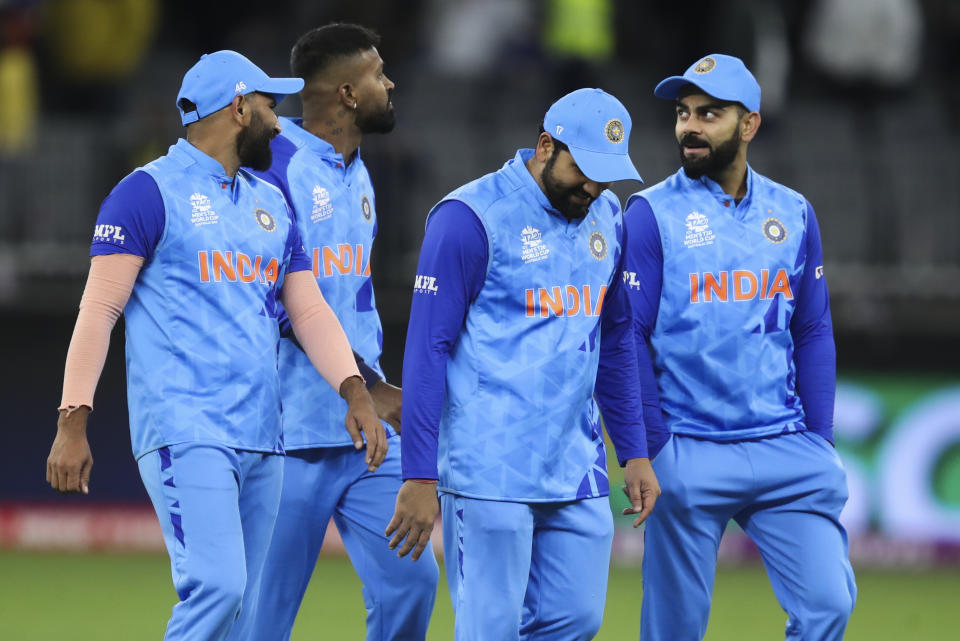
<point x="109" y="234"/>
<point x="425" y="285"/>
<point x="630" y="280"/>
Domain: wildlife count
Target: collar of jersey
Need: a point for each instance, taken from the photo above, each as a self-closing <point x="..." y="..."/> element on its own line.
<point x="717" y="191"/>
<point x="293" y="127"/>
<point x="518" y="166"/>
<point x="209" y="164"/>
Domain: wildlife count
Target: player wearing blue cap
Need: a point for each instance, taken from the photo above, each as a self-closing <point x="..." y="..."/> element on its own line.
<point x="198" y="253"/>
<point x="317" y="164"/>
<point x="519" y="329"/>
<point x="724" y="271"/>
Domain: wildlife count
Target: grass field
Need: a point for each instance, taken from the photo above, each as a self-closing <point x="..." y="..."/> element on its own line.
<point x="112" y="597"/>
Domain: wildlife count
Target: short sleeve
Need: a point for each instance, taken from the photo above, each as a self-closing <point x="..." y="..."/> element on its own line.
<point x="131" y="218"/>
<point x="299" y="260"/>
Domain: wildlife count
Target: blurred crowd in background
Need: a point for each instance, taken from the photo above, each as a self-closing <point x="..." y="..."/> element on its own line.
<point x="859" y="106"/>
<point x="860" y="113"/>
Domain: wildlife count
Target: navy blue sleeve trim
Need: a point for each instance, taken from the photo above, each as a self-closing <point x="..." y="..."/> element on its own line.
<point x="643" y="281"/>
<point x="131" y="218"/>
<point x="618" y="387"/>
<point x="450" y="274"/>
<point x="811" y="326"/>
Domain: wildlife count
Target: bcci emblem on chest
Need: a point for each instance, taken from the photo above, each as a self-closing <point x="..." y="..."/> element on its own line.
<point x="366" y="208"/>
<point x="774" y="230"/>
<point x="265" y="220"/>
<point x="598" y="245"/>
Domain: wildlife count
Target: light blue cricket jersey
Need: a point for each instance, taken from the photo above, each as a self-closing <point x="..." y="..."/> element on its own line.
<point x="519" y="422"/>
<point x="201" y="324"/>
<point x="335" y="212"/>
<point x="723" y="351"/>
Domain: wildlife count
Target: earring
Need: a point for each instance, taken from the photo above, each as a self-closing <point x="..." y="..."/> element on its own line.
<point x="354" y="105"/>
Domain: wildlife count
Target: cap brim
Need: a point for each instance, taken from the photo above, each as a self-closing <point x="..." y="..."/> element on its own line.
<point x="670" y="89"/>
<point x="604" y="168"/>
<point x="280" y="88"/>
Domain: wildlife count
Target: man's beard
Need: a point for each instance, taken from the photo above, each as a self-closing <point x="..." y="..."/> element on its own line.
<point x="560" y="195"/>
<point x="377" y="122"/>
<point x="253" y="144"/>
<point x="714" y="161"/>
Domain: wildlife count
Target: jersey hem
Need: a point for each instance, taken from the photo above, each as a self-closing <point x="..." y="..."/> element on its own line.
<point x="236" y="446"/>
<point x="744" y="435"/>
<point x="328" y="446"/>
<point x="482" y="497"/>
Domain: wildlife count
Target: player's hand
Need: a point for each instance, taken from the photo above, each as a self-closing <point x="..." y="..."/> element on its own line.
<point x="70" y="460"/>
<point x="413" y="518"/>
<point x="642" y="488"/>
<point x="362" y="421"/>
<point x="387" y="402"/>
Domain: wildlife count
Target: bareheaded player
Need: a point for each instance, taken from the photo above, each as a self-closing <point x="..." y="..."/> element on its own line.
<point x="318" y="166"/>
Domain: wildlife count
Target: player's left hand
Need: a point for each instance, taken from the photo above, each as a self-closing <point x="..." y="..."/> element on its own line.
<point x="70" y="460"/>
<point x="642" y="488"/>
<point x="362" y="418"/>
<point x="387" y="400"/>
<point x="413" y="518"/>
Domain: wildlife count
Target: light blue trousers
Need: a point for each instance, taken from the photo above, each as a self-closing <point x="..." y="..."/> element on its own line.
<point x="321" y="483"/>
<point x="786" y="492"/>
<point x="531" y="571"/>
<point x="216" y="507"/>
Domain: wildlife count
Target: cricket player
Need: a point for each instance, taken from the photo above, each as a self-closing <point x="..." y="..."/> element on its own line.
<point x="724" y="270"/>
<point x="317" y="164"/>
<point x="198" y="253"/>
<point x="519" y="328"/>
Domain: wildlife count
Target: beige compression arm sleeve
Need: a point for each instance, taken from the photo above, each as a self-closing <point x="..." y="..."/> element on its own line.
<point x="109" y="285"/>
<point x="317" y="328"/>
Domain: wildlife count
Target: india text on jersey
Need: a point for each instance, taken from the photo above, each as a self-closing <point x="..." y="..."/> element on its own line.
<point x="231" y="266"/>
<point x="739" y="284"/>
<point x="566" y="300"/>
<point x="342" y="259"/>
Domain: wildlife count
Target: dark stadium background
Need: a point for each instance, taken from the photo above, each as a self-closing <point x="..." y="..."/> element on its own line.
<point x="87" y="92"/>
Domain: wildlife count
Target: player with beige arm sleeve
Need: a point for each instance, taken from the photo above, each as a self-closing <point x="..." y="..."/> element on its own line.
<point x="199" y="254"/>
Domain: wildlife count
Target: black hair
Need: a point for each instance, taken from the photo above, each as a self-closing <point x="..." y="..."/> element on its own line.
<point x="186" y="105"/>
<point x="558" y="145"/>
<point x="318" y="48"/>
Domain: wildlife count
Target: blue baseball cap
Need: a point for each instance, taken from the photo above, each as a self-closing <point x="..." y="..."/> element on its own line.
<point x="217" y="77"/>
<point x="596" y="128"/>
<point x="718" y="75"/>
